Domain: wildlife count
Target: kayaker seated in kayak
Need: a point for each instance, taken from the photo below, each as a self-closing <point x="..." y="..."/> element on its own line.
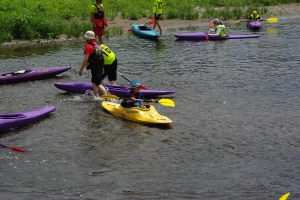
<point x="219" y="29"/>
<point x="134" y="97"/>
<point x="254" y="17"/>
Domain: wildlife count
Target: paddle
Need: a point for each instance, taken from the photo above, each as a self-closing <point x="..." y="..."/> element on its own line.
<point x="271" y="20"/>
<point x="285" y="196"/>
<point x="150" y="22"/>
<point x="208" y="26"/>
<point x="143" y="87"/>
<point x="13" y="148"/>
<point x="164" y="102"/>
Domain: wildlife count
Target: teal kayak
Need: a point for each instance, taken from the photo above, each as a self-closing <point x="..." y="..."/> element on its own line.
<point x="144" y="31"/>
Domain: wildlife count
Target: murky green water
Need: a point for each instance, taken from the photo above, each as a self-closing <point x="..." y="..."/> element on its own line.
<point x="235" y="131"/>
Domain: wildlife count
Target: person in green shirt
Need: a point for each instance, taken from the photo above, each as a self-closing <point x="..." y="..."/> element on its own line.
<point x="157" y="11"/>
<point x="110" y="65"/>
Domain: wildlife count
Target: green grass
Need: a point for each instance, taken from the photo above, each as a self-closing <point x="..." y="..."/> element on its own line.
<point x="36" y="19"/>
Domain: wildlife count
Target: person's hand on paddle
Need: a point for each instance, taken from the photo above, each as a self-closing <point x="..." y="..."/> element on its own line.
<point x="132" y="99"/>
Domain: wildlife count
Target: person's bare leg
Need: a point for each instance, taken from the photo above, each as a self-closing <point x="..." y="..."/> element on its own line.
<point x="101" y="89"/>
<point x="95" y="90"/>
<point x="154" y="25"/>
<point x="160" y="31"/>
<point x="113" y="82"/>
<point x="100" y="39"/>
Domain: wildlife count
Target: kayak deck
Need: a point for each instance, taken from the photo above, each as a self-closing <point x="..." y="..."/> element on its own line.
<point x="144" y="31"/>
<point x="15" y="120"/>
<point x="121" y="91"/>
<point x="203" y="35"/>
<point x="136" y="114"/>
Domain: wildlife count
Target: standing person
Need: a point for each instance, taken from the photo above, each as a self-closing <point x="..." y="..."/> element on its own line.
<point x="110" y="65"/>
<point x="133" y="94"/>
<point x="157" y="11"/>
<point x="98" y="19"/>
<point x="254" y="17"/>
<point x="94" y="58"/>
<point x="219" y="29"/>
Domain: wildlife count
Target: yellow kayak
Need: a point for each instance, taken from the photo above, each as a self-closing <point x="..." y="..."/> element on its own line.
<point x="136" y="114"/>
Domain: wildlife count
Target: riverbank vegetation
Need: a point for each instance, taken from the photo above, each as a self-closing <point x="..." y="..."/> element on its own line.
<point x="36" y="19"/>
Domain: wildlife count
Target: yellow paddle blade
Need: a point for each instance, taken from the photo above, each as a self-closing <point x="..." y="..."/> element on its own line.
<point x="272" y="20"/>
<point x="109" y="96"/>
<point x="167" y="102"/>
<point x="235" y="22"/>
<point x="285" y="196"/>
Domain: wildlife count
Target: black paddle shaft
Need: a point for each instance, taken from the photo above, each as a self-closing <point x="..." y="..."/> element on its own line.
<point x="123" y="76"/>
<point x="4" y="146"/>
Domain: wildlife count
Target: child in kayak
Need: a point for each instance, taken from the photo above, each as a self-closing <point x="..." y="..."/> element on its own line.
<point x="219" y="29"/>
<point x="133" y="94"/>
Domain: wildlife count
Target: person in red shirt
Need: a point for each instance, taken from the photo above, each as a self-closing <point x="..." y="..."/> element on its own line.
<point x="94" y="59"/>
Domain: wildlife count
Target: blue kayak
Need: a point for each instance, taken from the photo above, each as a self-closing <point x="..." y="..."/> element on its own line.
<point x="144" y="31"/>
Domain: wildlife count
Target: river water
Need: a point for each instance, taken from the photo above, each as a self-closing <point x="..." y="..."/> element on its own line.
<point x="235" y="131"/>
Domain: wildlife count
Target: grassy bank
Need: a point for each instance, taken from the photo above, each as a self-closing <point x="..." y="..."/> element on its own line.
<point x="28" y="19"/>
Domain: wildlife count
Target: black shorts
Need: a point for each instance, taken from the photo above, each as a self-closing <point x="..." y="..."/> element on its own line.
<point x="157" y="18"/>
<point x="96" y="70"/>
<point x="110" y="71"/>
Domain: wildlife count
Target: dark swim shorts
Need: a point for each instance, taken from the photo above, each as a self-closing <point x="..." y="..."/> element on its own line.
<point x="157" y="18"/>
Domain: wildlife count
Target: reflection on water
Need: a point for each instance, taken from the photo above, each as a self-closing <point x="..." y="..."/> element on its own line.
<point x="272" y="31"/>
<point x="234" y="133"/>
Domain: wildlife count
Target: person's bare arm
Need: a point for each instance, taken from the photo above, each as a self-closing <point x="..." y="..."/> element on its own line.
<point x="84" y="63"/>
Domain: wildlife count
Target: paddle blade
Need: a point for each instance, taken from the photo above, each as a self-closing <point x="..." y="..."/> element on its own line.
<point x="272" y="20"/>
<point x="235" y="22"/>
<point x="144" y="88"/>
<point x="17" y="149"/>
<point x="209" y="25"/>
<point x="285" y="196"/>
<point x="207" y="37"/>
<point x="109" y="96"/>
<point x="166" y="102"/>
<point x="128" y="29"/>
<point x="151" y="21"/>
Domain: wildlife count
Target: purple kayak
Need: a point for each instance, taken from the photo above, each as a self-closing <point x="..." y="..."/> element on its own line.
<point x="31" y="74"/>
<point x="254" y="25"/>
<point x="15" y="120"/>
<point x="202" y="36"/>
<point x="120" y="91"/>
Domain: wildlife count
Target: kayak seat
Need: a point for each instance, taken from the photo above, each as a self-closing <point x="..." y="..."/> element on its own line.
<point x="21" y="72"/>
<point x="144" y="28"/>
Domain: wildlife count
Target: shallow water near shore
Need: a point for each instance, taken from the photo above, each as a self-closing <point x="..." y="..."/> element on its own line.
<point x="235" y="130"/>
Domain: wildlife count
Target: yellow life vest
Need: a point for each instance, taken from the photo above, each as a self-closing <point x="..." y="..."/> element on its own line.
<point x="223" y="30"/>
<point x="108" y="55"/>
<point x="158" y="3"/>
